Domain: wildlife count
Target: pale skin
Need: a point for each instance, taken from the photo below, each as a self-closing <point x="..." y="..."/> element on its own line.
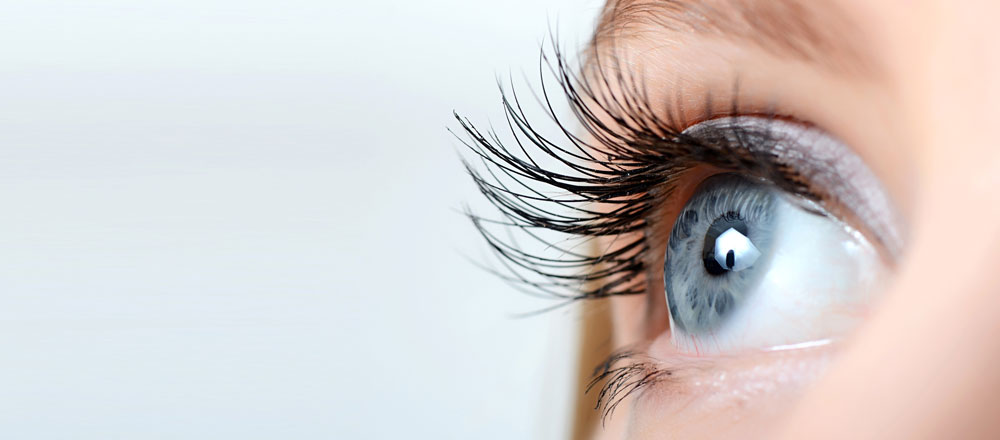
<point x="922" y="112"/>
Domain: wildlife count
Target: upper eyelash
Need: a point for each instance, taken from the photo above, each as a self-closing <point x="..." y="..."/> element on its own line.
<point x="605" y="185"/>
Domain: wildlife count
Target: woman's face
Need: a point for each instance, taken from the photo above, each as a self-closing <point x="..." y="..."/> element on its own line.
<point x="794" y="209"/>
<point x="912" y="88"/>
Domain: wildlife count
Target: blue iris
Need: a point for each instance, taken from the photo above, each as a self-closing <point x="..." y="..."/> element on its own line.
<point x="718" y="250"/>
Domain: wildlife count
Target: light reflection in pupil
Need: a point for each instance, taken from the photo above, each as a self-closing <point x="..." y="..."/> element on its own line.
<point x="716" y="264"/>
<point x="734" y="251"/>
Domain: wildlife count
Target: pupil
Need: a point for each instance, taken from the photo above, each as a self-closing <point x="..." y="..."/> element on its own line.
<point x="731" y="219"/>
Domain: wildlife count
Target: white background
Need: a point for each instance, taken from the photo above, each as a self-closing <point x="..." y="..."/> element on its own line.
<point x="239" y="219"/>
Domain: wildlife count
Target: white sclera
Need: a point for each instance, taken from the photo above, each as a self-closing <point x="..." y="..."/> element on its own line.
<point x="744" y="252"/>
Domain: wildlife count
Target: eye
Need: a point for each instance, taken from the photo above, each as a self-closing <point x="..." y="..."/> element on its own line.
<point x="748" y="265"/>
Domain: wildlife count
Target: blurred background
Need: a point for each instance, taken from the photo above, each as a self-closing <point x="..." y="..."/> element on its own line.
<point x="241" y="219"/>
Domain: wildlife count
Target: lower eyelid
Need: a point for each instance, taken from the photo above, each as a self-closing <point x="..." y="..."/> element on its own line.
<point x="704" y="385"/>
<point x="654" y="374"/>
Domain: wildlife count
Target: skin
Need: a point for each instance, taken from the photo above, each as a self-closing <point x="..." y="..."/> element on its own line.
<point x="924" y="363"/>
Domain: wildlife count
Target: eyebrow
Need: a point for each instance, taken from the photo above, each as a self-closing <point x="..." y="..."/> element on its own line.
<point x="818" y="32"/>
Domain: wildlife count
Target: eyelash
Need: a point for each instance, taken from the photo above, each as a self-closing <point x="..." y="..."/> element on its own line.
<point x="623" y="373"/>
<point x="632" y="167"/>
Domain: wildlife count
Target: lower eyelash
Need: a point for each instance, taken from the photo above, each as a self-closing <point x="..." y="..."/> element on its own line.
<point x="623" y="374"/>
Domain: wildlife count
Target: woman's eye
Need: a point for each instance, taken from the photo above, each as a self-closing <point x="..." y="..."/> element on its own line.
<point x="750" y="266"/>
